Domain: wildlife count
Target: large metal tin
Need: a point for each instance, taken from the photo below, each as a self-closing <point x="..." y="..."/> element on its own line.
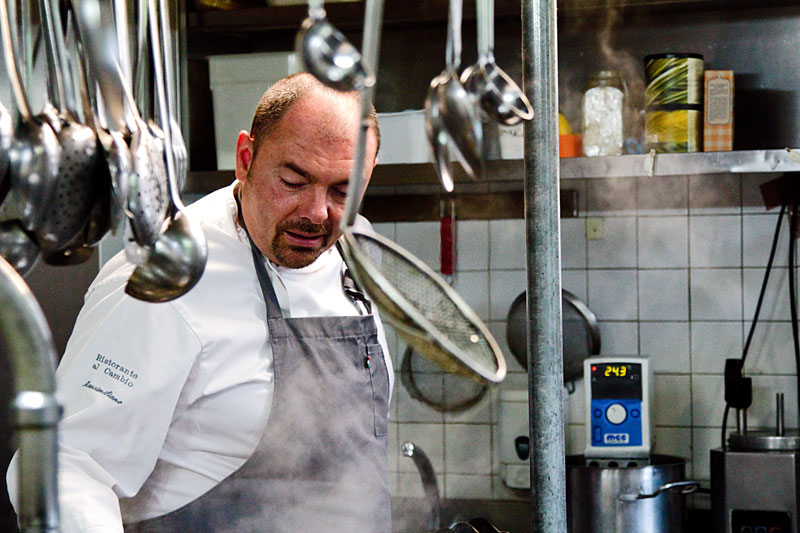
<point x="594" y="503"/>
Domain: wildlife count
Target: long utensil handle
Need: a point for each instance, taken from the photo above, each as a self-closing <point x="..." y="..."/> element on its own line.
<point x="453" y="54"/>
<point x="370" y="51"/>
<point x="161" y="101"/>
<point x="166" y="46"/>
<point x="483" y="9"/>
<point x="12" y="67"/>
<point x="96" y="28"/>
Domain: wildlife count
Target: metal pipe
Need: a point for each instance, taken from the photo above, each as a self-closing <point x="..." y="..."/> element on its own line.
<point x="545" y="367"/>
<point x="33" y="360"/>
<point x="780" y="429"/>
<point x="429" y="483"/>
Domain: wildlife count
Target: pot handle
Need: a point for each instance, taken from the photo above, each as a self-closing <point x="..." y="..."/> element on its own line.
<point x="681" y="487"/>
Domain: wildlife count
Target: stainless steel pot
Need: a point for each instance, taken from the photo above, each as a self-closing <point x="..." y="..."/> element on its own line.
<point x="627" y="496"/>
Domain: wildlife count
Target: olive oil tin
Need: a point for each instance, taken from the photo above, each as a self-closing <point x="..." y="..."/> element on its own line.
<point x="673" y="79"/>
<point x="671" y="129"/>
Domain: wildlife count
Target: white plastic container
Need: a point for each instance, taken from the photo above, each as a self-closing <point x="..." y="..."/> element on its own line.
<point x="403" y="138"/>
<point x="237" y="83"/>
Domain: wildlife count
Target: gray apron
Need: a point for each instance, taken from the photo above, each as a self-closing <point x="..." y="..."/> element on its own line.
<point x="321" y="463"/>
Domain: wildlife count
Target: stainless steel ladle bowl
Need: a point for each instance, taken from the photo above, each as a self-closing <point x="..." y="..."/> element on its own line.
<point x="499" y="95"/>
<point x="328" y="55"/>
<point x="438" y="139"/>
<point x="18" y="246"/>
<point x="458" y="109"/>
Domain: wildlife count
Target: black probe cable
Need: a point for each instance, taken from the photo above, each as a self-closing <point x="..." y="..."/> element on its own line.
<point x="758" y="310"/>
<point x="793" y="299"/>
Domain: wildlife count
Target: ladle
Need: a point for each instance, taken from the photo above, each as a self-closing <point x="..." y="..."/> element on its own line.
<point x="18" y="246"/>
<point x="34" y="152"/>
<point x="437" y="136"/>
<point x="457" y="107"/>
<point x="80" y="175"/>
<point x="180" y="252"/>
<point x="328" y="55"/>
<point x="499" y="95"/>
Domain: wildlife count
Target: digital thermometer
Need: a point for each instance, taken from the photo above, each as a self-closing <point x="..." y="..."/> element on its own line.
<point x="618" y="397"/>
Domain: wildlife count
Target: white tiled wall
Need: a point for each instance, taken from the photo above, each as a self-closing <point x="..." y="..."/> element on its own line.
<point x="674" y="277"/>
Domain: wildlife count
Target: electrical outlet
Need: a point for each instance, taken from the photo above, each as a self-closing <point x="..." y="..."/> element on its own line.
<point x="594" y="228"/>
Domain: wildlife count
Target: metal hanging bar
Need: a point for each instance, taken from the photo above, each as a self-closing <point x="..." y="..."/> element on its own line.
<point x="545" y="374"/>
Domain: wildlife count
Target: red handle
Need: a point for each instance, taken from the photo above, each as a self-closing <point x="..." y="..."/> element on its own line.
<point x="446" y="239"/>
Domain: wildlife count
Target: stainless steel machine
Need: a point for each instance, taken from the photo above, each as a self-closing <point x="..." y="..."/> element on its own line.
<point x="754" y="481"/>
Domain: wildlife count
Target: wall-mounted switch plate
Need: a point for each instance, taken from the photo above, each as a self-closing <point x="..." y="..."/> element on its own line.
<point x="594" y="228"/>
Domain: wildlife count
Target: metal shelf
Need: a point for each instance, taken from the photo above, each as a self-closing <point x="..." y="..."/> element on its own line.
<point x="738" y="162"/>
<point x="413" y="175"/>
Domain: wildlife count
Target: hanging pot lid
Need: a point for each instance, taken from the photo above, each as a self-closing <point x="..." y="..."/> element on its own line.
<point x="581" y="333"/>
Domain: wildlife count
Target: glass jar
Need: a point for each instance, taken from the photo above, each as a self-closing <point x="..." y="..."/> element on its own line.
<point x="603" y="103"/>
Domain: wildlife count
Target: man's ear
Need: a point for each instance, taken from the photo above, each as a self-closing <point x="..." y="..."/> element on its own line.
<point x="244" y="155"/>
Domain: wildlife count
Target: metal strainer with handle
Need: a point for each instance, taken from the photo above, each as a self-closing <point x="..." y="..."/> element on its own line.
<point x="424" y="310"/>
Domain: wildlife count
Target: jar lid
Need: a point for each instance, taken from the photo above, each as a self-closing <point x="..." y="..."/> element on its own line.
<point x="673" y="55"/>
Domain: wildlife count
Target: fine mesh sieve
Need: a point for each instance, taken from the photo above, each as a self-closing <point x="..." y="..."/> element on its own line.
<point x="425" y="310"/>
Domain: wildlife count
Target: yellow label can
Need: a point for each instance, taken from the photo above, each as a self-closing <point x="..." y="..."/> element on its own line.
<point x="673" y="130"/>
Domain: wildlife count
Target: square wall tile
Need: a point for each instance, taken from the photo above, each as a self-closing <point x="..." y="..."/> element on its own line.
<point x="575" y="404"/>
<point x="617" y="247"/>
<point x="468" y="486"/>
<point x="619" y="338"/>
<point x="703" y="441"/>
<point x="410" y="409"/>
<point x="715" y="241"/>
<point x="709" y="194"/>
<point x="575" y="282"/>
<point x="667" y="345"/>
<point x="772" y="349"/>
<point x="459" y="390"/>
<point x="758" y="232"/>
<point x="672" y="401"/>
<point x="507" y="244"/>
<point x="472" y="245"/>
<point x="663" y="242"/>
<point x="662" y="195"/>
<point x="713" y="343"/>
<point x="613" y="294"/>
<point x="504" y="287"/>
<point x="776" y="296"/>
<point x="421" y="239"/>
<point x="573" y="243"/>
<point x="762" y="413"/>
<point x="716" y="294"/>
<point x="708" y="401"/>
<point x="427" y="437"/>
<point x="612" y="195"/>
<point x="674" y="441"/>
<point x="468" y="449"/>
<point x="409" y="485"/>
<point x="575" y="439"/>
<point x="663" y="294"/>
<point x="385" y="228"/>
<point x="474" y="288"/>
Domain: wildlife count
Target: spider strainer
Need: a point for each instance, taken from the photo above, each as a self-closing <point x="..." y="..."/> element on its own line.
<point x="424" y="310"/>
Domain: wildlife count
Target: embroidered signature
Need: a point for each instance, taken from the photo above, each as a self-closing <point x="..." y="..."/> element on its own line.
<point x="107" y="393"/>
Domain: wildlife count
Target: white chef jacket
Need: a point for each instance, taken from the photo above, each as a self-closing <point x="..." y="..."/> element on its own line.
<point x="162" y="401"/>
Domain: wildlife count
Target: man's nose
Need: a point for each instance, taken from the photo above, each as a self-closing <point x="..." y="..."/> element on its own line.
<point x="315" y="206"/>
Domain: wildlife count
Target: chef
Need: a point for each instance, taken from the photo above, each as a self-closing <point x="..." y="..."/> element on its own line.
<point x="257" y="401"/>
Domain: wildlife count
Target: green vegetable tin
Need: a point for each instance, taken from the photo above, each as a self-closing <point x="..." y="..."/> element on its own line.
<point x="673" y="79"/>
